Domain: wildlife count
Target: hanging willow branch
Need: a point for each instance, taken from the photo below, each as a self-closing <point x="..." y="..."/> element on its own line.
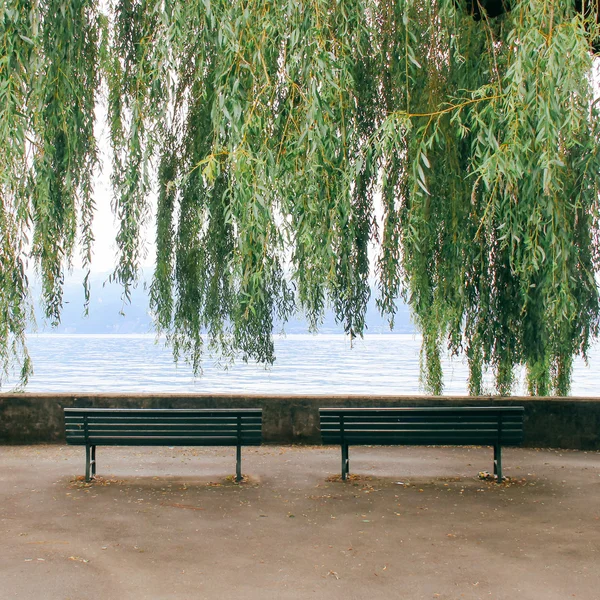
<point x="282" y="139"/>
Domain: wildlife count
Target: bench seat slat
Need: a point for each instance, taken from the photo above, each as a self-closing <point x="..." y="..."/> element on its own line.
<point x="169" y="426"/>
<point x="421" y="417"/>
<point x="492" y="437"/>
<point x="418" y="423"/>
<point x="163" y="419"/>
<point x="166" y="434"/>
<point x="466" y="426"/>
<point x="173" y="411"/>
<point x="421" y="441"/>
<point x="166" y="426"/>
<point x="421" y="409"/>
<point x="163" y="433"/>
<point x="228" y="440"/>
<point x="490" y="434"/>
<point x="183" y="441"/>
<point x="430" y="418"/>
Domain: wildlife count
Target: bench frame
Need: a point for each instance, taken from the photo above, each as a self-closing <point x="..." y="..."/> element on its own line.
<point x="503" y="425"/>
<point x="230" y="427"/>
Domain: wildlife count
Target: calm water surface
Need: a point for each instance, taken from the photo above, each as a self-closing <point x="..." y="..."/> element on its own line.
<point x="305" y="364"/>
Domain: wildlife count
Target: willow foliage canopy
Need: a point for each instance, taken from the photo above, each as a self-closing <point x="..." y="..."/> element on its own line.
<point x="283" y="138"/>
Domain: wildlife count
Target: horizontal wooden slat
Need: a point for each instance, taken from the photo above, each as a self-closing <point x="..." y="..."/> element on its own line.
<point x="161" y="416"/>
<point x="162" y="437"/>
<point x="421" y="442"/>
<point x="90" y="410"/>
<point x="164" y="411"/>
<point x="159" y="425"/>
<point x="433" y="418"/>
<point x="406" y="415"/>
<point x="466" y="426"/>
<point x="168" y="442"/>
<point x="164" y="429"/>
<point x="427" y="435"/>
<point x="169" y="426"/>
<point x="158" y="420"/>
<point x="160" y="433"/>
<point x="422" y="409"/>
<point x="420" y="421"/>
<point x="424" y="419"/>
<point x="421" y="433"/>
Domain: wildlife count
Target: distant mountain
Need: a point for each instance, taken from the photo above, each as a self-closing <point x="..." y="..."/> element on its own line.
<point x="109" y="314"/>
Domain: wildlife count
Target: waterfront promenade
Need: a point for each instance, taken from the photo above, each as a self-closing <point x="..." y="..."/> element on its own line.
<point x="412" y="523"/>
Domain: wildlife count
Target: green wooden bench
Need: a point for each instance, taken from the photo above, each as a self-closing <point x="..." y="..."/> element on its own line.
<point x="91" y="427"/>
<point x="443" y="426"/>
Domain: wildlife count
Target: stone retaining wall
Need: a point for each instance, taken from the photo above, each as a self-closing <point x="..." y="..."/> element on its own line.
<point x="549" y="422"/>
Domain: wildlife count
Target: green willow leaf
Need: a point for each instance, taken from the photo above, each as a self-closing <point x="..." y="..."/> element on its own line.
<point x="295" y="147"/>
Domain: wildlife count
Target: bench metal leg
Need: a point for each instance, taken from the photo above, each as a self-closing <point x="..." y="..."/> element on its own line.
<point x="238" y="465"/>
<point x="498" y="462"/>
<point x="345" y="462"/>
<point x="90" y="462"/>
<point x="88" y="453"/>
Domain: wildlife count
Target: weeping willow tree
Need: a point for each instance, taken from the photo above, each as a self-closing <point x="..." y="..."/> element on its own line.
<point x="283" y="139"/>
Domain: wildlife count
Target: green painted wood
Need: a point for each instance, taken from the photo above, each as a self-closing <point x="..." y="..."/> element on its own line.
<point x="416" y="409"/>
<point x="94" y="428"/>
<point x="164" y="411"/>
<point x="492" y="418"/>
<point x="419" y="441"/>
<point x="422" y="426"/>
<point x="183" y="441"/>
<point x="416" y="425"/>
<point x="192" y="427"/>
<point x="91" y="427"/>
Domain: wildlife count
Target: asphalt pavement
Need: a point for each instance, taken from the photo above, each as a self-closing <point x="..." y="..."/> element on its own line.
<point x="410" y="523"/>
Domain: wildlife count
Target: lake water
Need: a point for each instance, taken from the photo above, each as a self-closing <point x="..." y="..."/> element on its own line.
<point x="306" y="364"/>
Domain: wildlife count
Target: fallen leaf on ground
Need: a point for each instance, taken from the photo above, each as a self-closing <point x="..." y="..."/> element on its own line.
<point x="176" y="505"/>
<point x="332" y="478"/>
<point x="80" y="482"/>
<point x="48" y="542"/>
<point x="232" y="479"/>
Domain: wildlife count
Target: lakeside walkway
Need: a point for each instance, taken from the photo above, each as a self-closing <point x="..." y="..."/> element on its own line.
<point x="412" y="523"/>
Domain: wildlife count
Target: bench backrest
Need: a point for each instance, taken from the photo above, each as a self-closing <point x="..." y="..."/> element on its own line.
<point x="154" y="427"/>
<point x="423" y="426"/>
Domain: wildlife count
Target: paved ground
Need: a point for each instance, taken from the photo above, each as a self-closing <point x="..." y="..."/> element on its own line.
<point x="414" y="523"/>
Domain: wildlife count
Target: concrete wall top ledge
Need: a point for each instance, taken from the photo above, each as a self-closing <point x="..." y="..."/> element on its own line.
<point x="371" y="398"/>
